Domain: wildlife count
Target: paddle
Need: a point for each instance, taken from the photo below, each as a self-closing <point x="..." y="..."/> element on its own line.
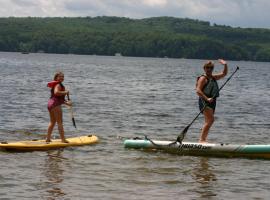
<point x="71" y="113"/>
<point x="183" y="133"/>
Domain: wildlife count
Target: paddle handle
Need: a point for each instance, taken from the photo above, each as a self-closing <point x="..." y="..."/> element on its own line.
<point x="237" y="68"/>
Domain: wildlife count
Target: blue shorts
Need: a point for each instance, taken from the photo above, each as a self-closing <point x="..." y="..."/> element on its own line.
<point x="208" y="105"/>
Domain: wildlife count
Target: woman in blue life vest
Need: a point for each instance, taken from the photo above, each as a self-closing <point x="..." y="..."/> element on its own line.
<point x="208" y="90"/>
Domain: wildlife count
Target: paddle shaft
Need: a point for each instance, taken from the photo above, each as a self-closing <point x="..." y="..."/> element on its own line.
<point x="71" y="113"/>
<point x="182" y="135"/>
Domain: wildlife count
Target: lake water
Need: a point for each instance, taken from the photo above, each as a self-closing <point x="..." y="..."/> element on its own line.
<point x="122" y="97"/>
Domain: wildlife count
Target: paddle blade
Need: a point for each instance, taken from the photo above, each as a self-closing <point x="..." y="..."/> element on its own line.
<point x="71" y="113"/>
<point x="74" y="123"/>
<point x="182" y="135"/>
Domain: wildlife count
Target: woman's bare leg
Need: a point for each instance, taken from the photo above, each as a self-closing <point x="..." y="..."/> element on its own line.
<point x="208" y="122"/>
<point x="50" y="126"/>
<point x="59" y="119"/>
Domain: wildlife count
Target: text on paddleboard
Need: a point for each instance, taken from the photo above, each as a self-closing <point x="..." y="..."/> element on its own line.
<point x="193" y="146"/>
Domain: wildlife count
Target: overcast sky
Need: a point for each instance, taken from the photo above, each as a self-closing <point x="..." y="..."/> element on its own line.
<point x="242" y="13"/>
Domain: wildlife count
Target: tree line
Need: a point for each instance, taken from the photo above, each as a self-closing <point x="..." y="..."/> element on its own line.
<point x="150" y="37"/>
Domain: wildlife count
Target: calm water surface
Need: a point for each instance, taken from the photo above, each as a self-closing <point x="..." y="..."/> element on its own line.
<point x="121" y="97"/>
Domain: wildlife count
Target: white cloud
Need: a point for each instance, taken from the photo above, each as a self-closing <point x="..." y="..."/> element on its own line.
<point x="24" y="3"/>
<point x="244" y="13"/>
<point x="155" y="2"/>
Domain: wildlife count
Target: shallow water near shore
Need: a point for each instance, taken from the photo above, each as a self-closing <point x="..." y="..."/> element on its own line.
<point x="122" y="97"/>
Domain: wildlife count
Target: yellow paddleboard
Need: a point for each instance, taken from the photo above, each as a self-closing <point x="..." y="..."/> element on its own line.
<point x="42" y="145"/>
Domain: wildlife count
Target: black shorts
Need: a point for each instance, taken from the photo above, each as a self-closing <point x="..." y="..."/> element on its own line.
<point x="208" y="105"/>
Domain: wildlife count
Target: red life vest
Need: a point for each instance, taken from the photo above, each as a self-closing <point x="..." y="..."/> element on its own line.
<point x="52" y="84"/>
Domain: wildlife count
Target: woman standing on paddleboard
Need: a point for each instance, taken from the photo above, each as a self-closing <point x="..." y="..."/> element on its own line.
<point x="58" y="93"/>
<point x="208" y="90"/>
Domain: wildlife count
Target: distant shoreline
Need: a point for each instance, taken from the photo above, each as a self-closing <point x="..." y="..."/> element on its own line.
<point x="163" y="37"/>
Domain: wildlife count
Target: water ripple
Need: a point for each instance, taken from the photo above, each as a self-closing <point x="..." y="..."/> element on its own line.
<point x="122" y="97"/>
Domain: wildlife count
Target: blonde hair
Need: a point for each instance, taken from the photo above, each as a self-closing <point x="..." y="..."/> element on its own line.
<point x="57" y="74"/>
<point x="208" y="64"/>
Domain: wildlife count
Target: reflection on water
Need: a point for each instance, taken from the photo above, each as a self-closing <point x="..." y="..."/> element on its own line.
<point x="205" y="177"/>
<point x="54" y="172"/>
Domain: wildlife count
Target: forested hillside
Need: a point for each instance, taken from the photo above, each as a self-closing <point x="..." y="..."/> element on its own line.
<point x="150" y="37"/>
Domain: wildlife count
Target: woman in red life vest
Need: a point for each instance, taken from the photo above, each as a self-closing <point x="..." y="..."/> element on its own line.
<point x="58" y="93"/>
<point x="208" y="90"/>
